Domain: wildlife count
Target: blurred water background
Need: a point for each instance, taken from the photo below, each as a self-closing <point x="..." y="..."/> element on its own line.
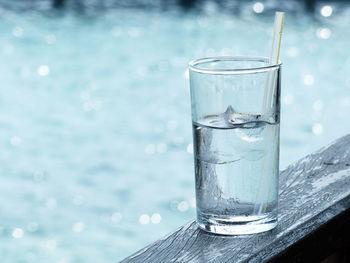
<point x="96" y="143"/>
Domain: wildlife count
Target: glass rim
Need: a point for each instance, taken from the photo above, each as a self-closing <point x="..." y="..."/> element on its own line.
<point x="194" y="65"/>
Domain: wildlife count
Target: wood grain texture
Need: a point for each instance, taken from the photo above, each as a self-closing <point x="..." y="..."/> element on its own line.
<point x="314" y="207"/>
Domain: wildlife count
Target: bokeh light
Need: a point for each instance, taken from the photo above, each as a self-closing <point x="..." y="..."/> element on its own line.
<point x="258" y="7"/>
<point x="326" y="11"/>
<point x="78" y="227"/>
<point x="309" y="80"/>
<point x="144" y="219"/>
<point x="43" y="70"/>
<point x="156" y="218"/>
<point x="17" y="233"/>
<point x="317" y="128"/>
<point x="323" y="33"/>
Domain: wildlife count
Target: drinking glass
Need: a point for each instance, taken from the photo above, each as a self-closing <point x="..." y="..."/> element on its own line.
<point x="235" y="104"/>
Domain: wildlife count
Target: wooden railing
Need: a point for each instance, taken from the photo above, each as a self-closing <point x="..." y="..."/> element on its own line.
<point x="314" y="220"/>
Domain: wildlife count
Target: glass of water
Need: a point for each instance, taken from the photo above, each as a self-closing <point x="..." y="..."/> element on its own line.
<point x="235" y="105"/>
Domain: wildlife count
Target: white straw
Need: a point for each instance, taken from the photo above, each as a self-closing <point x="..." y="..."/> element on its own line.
<point x="269" y="91"/>
<point x="274" y="57"/>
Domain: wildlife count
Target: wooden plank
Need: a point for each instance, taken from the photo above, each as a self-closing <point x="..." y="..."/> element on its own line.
<point x="314" y="214"/>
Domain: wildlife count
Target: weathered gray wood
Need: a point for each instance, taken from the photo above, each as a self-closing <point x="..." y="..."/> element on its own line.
<point x="314" y="204"/>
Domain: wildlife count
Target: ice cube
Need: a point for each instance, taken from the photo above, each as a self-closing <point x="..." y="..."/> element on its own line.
<point x="233" y="117"/>
<point x="228" y="113"/>
<point x="250" y="134"/>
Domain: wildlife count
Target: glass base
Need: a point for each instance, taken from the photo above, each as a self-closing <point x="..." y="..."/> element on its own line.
<point x="236" y="225"/>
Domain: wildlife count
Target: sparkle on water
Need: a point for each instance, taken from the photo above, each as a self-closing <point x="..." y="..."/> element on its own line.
<point x="318" y="105"/>
<point x="156" y="218"/>
<point x="144" y="219"/>
<point x="32" y="227"/>
<point x="323" y="33"/>
<point x="43" y="70"/>
<point x="96" y="128"/>
<point x="317" y="128"/>
<point x="309" y="80"/>
<point x="15" y="141"/>
<point x="183" y="206"/>
<point x="78" y="227"/>
<point x="258" y="7"/>
<point x="116" y="217"/>
<point x="326" y="11"/>
<point x="292" y="52"/>
<point x="17" y="233"/>
<point x="17" y="31"/>
<point x="288" y="99"/>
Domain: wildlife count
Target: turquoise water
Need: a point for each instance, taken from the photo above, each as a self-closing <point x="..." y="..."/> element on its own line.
<point x="96" y="154"/>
